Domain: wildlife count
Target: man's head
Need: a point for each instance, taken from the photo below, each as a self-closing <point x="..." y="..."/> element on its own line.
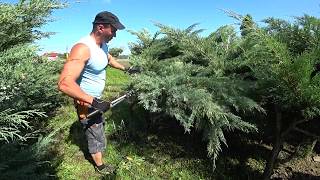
<point x="106" y="17"/>
<point x="107" y="24"/>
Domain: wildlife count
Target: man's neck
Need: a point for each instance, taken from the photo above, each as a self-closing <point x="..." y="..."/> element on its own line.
<point x="98" y="39"/>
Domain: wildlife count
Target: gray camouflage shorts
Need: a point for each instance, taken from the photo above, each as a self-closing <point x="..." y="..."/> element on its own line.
<point x="93" y="129"/>
<point x="96" y="138"/>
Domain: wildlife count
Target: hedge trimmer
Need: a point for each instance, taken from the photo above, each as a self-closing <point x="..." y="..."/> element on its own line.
<point x="130" y="70"/>
<point x="112" y="104"/>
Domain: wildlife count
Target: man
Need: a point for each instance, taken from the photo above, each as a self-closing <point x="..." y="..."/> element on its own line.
<point x="83" y="78"/>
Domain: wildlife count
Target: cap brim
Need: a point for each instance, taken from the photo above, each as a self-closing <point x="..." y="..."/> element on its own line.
<point x="119" y="26"/>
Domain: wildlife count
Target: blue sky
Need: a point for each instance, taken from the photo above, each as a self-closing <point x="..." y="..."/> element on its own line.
<point x="75" y="21"/>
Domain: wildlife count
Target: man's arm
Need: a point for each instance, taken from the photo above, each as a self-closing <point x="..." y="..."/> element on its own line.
<point x="71" y="71"/>
<point x="114" y="63"/>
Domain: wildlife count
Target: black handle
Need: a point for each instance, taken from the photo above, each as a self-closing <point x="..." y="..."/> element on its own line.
<point x="112" y="104"/>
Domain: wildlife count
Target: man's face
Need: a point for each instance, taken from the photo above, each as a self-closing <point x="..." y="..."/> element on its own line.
<point x="109" y="32"/>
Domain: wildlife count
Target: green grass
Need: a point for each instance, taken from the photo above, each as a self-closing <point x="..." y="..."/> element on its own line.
<point x="116" y="82"/>
<point x="136" y="152"/>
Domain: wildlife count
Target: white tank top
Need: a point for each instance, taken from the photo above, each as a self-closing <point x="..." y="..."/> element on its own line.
<point x="93" y="77"/>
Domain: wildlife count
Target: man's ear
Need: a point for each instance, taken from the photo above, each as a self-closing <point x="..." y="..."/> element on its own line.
<point x="100" y="28"/>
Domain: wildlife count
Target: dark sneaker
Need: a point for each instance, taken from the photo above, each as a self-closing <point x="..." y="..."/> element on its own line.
<point x="105" y="169"/>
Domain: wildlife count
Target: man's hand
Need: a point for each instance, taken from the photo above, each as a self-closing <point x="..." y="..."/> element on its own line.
<point x="100" y="105"/>
<point x="133" y="70"/>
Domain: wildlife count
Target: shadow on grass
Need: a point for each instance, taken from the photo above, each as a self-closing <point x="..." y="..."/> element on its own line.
<point x="29" y="161"/>
<point x="242" y="159"/>
<point x="77" y="137"/>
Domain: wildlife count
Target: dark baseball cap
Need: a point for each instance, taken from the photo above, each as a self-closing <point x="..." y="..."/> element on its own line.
<point x="106" y="17"/>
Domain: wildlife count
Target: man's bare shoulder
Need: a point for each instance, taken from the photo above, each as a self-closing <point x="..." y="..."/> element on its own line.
<point x="80" y="46"/>
<point x="80" y="52"/>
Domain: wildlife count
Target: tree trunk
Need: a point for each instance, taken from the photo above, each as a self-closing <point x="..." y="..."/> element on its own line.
<point x="311" y="147"/>
<point x="276" y="147"/>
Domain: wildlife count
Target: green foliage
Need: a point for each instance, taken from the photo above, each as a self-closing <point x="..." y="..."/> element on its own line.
<point x="12" y="123"/>
<point x="144" y="40"/>
<point x="26" y="162"/>
<point x="27" y="88"/>
<point x="301" y="35"/>
<point x="20" y="22"/>
<point x="218" y="83"/>
<point x="189" y="83"/>
<point x="115" y="52"/>
<point x="247" y="25"/>
<point x="281" y="58"/>
<point x="283" y="68"/>
<point x="27" y="80"/>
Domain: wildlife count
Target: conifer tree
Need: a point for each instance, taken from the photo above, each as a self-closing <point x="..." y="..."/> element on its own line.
<point x="213" y="83"/>
<point x="247" y="25"/>
<point x="299" y="102"/>
<point x="115" y="52"/>
<point x="27" y="87"/>
<point x="185" y="78"/>
<point x="281" y="66"/>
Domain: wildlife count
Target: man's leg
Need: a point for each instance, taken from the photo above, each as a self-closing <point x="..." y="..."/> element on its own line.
<point x="96" y="142"/>
<point x="96" y="145"/>
<point x="97" y="158"/>
<point x="94" y="131"/>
